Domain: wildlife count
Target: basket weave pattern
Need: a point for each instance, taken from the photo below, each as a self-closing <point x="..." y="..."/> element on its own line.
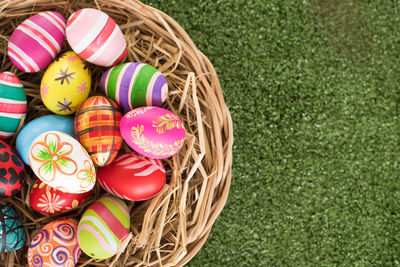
<point x="169" y="229"/>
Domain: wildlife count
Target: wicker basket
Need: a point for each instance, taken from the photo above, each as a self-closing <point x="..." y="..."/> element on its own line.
<point x="169" y="229"/>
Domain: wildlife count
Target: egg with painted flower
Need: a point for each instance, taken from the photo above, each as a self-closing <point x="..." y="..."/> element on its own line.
<point x="61" y="162"/>
<point x="48" y="200"/>
<point x="65" y="84"/>
<point x="12" y="234"/>
<point x="55" y="244"/>
<point x="154" y="132"/>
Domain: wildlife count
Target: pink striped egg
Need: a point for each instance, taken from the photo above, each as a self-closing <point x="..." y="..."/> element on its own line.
<point x="12" y="104"/>
<point x="95" y="37"/>
<point x="36" y="42"/>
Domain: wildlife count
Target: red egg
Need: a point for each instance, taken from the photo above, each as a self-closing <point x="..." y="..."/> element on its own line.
<point x="12" y="171"/>
<point x="132" y="176"/>
<point x="48" y="200"/>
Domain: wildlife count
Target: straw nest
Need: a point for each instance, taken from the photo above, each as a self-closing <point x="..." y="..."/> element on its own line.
<point x="169" y="229"/>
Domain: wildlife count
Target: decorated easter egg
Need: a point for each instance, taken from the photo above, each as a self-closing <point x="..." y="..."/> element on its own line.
<point x="12" y="171"/>
<point x="135" y="85"/>
<point x="38" y="126"/>
<point x="133" y="177"/>
<point x="12" y="234"/>
<point x="37" y="41"/>
<point x="97" y="129"/>
<point x="103" y="226"/>
<point x="55" y="245"/>
<point x="12" y="104"/>
<point x="65" y="84"/>
<point x="62" y="163"/>
<point x="95" y="37"/>
<point x="47" y="200"/>
<point x="153" y="132"/>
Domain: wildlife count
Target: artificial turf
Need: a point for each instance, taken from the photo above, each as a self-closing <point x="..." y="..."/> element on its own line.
<point x="313" y="89"/>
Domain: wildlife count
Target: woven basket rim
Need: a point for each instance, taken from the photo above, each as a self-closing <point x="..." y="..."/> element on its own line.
<point x="200" y="176"/>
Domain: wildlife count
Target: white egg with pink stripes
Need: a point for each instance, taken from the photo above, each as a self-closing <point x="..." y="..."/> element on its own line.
<point x="96" y="38"/>
<point x="35" y="43"/>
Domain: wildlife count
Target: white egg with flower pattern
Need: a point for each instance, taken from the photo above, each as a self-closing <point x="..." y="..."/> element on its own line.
<point x="61" y="162"/>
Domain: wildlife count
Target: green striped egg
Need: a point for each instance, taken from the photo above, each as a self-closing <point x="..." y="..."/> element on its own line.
<point x="12" y="104"/>
<point x="134" y="85"/>
<point x="103" y="226"/>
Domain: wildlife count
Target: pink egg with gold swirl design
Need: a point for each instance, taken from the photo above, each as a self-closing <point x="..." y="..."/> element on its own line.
<point x="154" y="132"/>
<point x="55" y="245"/>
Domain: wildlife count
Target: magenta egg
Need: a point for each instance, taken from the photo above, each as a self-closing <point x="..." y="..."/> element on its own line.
<point x="36" y="42"/>
<point x="153" y="132"/>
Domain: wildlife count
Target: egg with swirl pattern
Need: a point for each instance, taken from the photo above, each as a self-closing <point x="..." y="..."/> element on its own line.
<point x="55" y="244"/>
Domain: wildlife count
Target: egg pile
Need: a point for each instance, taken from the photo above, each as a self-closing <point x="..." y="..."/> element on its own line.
<point x="78" y="145"/>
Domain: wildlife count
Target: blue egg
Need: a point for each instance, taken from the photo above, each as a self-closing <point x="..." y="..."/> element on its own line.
<point x="12" y="232"/>
<point x="38" y="126"/>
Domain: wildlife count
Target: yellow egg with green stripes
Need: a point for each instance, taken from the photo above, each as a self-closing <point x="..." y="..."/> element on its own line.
<point x="65" y="84"/>
<point x="103" y="227"/>
<point x="134" y="85"/>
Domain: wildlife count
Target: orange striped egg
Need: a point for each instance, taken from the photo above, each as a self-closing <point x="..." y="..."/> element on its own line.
<point x="95" y="37"/>
<point x="97" y="129"/>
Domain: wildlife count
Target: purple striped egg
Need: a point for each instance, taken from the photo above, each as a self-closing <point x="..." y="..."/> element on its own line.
<point x="135" y="85"/>
<point x="35" y="43"/>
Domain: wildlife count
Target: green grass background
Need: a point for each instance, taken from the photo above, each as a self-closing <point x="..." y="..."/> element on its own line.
<point x="313" y="89"/>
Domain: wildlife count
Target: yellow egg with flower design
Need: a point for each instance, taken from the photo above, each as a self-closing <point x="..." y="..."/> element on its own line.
<point x="65" y="84"/>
